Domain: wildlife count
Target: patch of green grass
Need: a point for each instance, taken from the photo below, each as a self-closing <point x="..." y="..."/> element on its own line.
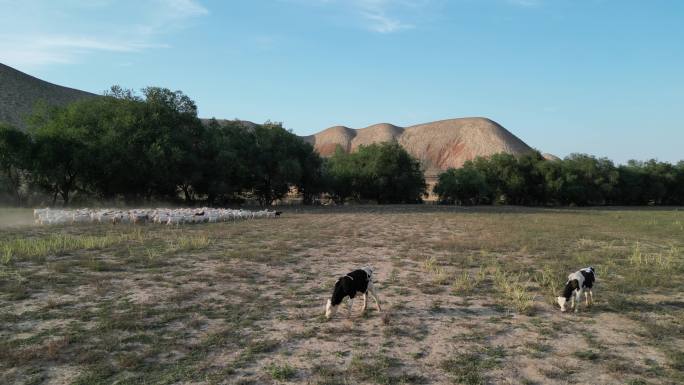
<point x="514" y="290"/>
<point x="54" y="244"/>
<point x="439" y="274"/>
<point x="192" y="242"/>
<point x="282" y="372"/>
<point x="587" y="355"/>
<point x="636" y="381"/>
<point x="329" y="375"/>
<point x="466" y="283"/>
<point x="379" y="369"/>
<point x="538" y="349"/>
<point x="676" y="360"/>
<point x="470" y="368"/>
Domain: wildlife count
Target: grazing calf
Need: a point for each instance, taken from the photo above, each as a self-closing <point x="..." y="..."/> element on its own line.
<point x="358" y="281"/>
<point x="579" y="282"/>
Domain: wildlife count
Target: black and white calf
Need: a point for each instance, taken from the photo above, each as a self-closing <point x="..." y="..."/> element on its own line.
<point x="581" y="281"/>
<point x="358" y="281"/>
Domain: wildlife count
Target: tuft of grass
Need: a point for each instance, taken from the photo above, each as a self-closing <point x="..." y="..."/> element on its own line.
<point x="280" y="372"/>
<point x="550" y="281"/>
<point x="195" y="242"/>
<point x="513" y="289"/>
<point x="466" y="368"/>
<point x="636" y="381"/>
<point x="587" y="355"/>
<point x="55" y="244"/>
<point x="469" y="368"/>
<point x="659" y="261"/>
<point x="378" y="369"/>
<point x="538" y="349"/>
<point x="439" y="274"/>
<point x="676" y="360"/>
<point x="329" y="375"/>
<point x="466" y="283"/>
<point x="6" y="254"/>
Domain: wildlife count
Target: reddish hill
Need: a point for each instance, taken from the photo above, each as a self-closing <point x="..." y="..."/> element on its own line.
<point x="438" y="145"/>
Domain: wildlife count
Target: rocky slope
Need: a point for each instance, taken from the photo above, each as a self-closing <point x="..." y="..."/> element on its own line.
<point x="19" y="93"/>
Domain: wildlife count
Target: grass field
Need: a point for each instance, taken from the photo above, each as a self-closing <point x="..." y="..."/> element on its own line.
<point x="467" y="297"/>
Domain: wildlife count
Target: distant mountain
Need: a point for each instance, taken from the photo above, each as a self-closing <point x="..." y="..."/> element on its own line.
<point x="438" y="145"/>
<point x="19" y="93"/>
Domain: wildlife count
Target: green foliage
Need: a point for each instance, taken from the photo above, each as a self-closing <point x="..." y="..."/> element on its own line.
<point x="15" y="147"/>
<point x="114" y="146"/>
<point x="578" y="180"/>
<point x="224" y="174"/>
<point x="463" y="186"/>
<point x="277" y="160"/>
<point x="154" y="147"/>
<point x="385" y="173"/>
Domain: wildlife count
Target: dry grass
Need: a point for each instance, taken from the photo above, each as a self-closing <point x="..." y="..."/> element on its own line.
<point x="467" y="297"/>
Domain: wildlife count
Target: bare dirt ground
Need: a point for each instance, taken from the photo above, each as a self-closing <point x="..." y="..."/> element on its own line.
<point x="467" y="296"/>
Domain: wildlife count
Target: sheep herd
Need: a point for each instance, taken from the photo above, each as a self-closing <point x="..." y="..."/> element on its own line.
<point x="158" y="215"/>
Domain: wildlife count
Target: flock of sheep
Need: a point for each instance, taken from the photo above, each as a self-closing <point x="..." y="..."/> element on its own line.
<point x="159" y="215"/>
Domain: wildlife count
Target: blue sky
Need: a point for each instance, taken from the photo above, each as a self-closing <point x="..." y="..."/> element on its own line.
<point x="604" y="77"/>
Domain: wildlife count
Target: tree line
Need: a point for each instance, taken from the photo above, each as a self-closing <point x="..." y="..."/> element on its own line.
<point x="130" y="148"/>
<point x="577" y="180"/>
<point x="153" y="147"/>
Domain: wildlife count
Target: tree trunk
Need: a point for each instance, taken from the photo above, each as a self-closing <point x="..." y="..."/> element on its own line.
<point x="65" y="197"/>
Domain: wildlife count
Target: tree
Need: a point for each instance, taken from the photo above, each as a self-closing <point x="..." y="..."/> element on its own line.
<point x="340" y="172"/>
<point x="224" y="171"/>
<point x="59" y="159"/>
<point x="60" y="155"/>
<point x="677" y="192"/>
<point x="390" y="174"/>
<point x="276" y="161"/>
<point x="462" y="186"/>
<point x="587" y="180"/>
<point x="15" y="150"/>
<point x="382" y="172"/>
<point x="312" y="182"/>
<point x="175" y="132"/>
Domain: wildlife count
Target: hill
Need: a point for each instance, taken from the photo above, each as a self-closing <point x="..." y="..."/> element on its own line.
<point x="438" y="145"/>
<point x="19" y="93"/>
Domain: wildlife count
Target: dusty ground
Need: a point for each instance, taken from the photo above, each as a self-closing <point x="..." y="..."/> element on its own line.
<point x="466" y="296"/>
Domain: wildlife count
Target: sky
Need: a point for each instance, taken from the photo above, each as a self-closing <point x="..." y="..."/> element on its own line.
<point x="603" y="77"/>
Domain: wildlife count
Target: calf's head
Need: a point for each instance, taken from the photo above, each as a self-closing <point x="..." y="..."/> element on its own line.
<point x="330" y="309"/>
<point x="562" y="301"/>
<point x="336" y="299"/>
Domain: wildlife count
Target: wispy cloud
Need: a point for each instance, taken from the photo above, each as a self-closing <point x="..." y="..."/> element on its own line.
<point x="184" y="8"/>
<point x="381" y="16"/>
<point x="66" y="34"/>
<point x="525" y="3"/>
<point x="376" y="13"/>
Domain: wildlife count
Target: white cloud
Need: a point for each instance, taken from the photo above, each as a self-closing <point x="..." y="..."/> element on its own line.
<point x="184" y="8"/>
<point x="67" y="32"/>
<point x="379" y="22"/>
<point x="381" y="16"/>
<point x="376" y="13"/>
<point x="525" y="3"/>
